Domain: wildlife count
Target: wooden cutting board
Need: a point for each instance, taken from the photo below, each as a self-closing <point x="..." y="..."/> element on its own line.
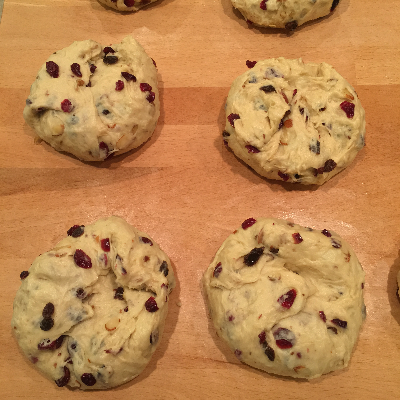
<point x="188" y="192"/>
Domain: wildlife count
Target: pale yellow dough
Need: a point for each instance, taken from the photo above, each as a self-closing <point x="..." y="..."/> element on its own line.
<point x="290" y="122"/>
<point x="103" y="121"/>
<point x="322" y="324"/>
<point x="121" y="6"/>
<point x="112" y="339"/>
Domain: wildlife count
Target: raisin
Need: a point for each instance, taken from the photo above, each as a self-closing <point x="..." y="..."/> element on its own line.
<point x="76" y="69"/>
<point x="217" y="270"/>
<point x="76" y="231"/>
<point x="329" y="165"/>
<point x="251" y="258"/>
<point x="23" y="274"/>
<point x="326" y="233"/>
<point x="64" y="379"/>
<point x="273" y="250"/>
<point x="107" y="50"/>
<point x="92" y="68"/>
<point x="46" y="324"/>
<point x="110" y="60"/>
<point x="225" y="134"/>
<point x="129" y="3"/>
<point x="105" y="244"/>
<point x="128" y="76"/>
<point x="119" y="85"/>
<point x="52" y="69"/>
<point x="88" y="379"/>
<point x="322" y="316"/>
<point x="339" y="322"/>
<point x="297" y="238"/>
<point x="291" y="25"/>
<point x="287" y="299"/>
<point x="106" y="112"/>
<point x="252" y="149"/>
<point x="164" y="268"/>
<point x="146" y="240"/>
<point x="348" y="108"/>
<point x="48" y="310"/>
<point x="248" y="223"/>
<point x="334" y="4"/>
<point x="119" y="293"/>
<point x="283" y="176"/>
<point x="268" y="89"/>
<point x="80" y="293"/>
<point x="145" y="87"/>
<point x="151" y="304"/>
<point x="151" y="97"/>
<point x="231" y="118"/>
<point x="250" y="64"/>
<point x="82" y="260"/>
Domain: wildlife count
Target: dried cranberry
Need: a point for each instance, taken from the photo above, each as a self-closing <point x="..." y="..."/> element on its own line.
<point x="119" y="85"/>
<point x="284" y="338"/>
<point x="92" y="68"/>
<point x="151" y="304"/>
<point x="348" y="108"/>
<point x="334" y="4"/>
<point x="217" y="270"/>
<point x="231" y="318"/>
<point x="48" y="310"/>
<point x="66" y="106"/>
<point x="88" y="379"/>
<point x="151" y="97"/>
<point x="322" y="316"/>
<point x="251" y="64"/>
<point x="232" y="117"/>
<point x="89" y="84"/>
<point x="263" y="5"/>
<point x="329" y="165"/>
<point x="238" y="353"/>
<point x="46" y="344"/>
<point x="107" y="50"/>
<point x="339" y="322"/>
<point x="76" y="231"/>
<point x="76" y="69"/>
<point x="82" y="260"/>
<point x="80" y="293"/>
<point x="262" y="337"/>
<point x="110" y="60"/>
<point x="126" y="309"/>
<point x="164" y="268"/>
<point x="105" y="244"/>
<point x="294" y="92"/>
<point x="326" y="233"/>
<point x="146" y="240"/>
<point x="251" y="258"/>
<point x="273" y="250"/>
<point x="23" y="274"/>
<point x="287" y="299"/>
<point x="268" y="89"/>
<point x="46" y="324"/>
<point x="119" y="293"/>
<point x="291" y="26"/>
<point x="103" y="147"/>
<point x="145" y="87"/>
<point x="284" y="176"/>
<point x="248" y="223"/>
<point x="128" y="76"/>
<point x="129" y="3"/>
<point x="64" y="379"/>
<point x="252" y="149"/>
<point x="52" y="69"/>
<point x="297" y="238"/>
<point x="336" y="244"/>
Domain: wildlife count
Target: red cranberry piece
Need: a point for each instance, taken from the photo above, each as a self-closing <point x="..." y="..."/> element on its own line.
<point x="251" y="258"/>
<point x="104" y="148"/>
<point x="76" y="69"/>
<point x="250" y="64"/>
<point x="48" y="310"/>
<point x="151" y="304"/>
<point x="284" y="338"/>
<point x="248" y="223"/>
<point x="66" y="106"/>
<point x="46" y="324"/>
<point x="92" y="68"/>
<point x="287" y="299"/>
<point x="339" y="322"/>
<point x="145" y="87"/>
<point x="46" y="344"/>
<point x="263" y="4"/>
<point x="88" y="379"/>
<point x="232" y="117"/>
<point x="52" y="69"/>
<point x="82" y="260"/>
<point x="291" y="26"/>
<point x="231" y="318"/>
<point x="262" y="337"/>
<point x="146" y="240"/>
<point x="284" y="176"/>
<point x="151" y="97"/>
<point x="80" y="293"/>
<point x="34" y="360"/>
<point x="105" y="244"/>
<point x="109" y="60"/>
<point x="252" y="149"/>
<point x="326" y="233"/>
<point x="217" y="270"/>
<point x="336" y="244"/>
<point x="128" y="76"/>
<point x="294" y="92"/>
<point x="334" y="4"/>
<point x="238" y="353"/>
<point x="164" y="268"/>
<point x="76" y="231"/>
<point x="119" y="293"/>
<point x="348" y="108"/>
<point x="119" y="85"/>
<point x="64" y="379"/>
<point x="154" y="63"/>
<point x="297" y="238"/>
<point x="129" y="3"/>
<point x="329" y="166"/>
<point x="322" y="316"/>
<point x="107" y="50"/>
<point x="23" y="274"/>
<point x="268" y="89"/>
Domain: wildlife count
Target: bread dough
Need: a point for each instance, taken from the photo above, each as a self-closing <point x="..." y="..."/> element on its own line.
<point x="293" y="121"/>
<point x="286" y="299"/>
<point x="93" y="101"/>
<point x="91" y="311"/>
<point x="126" y="5"/>
<point x="288" y="14"/>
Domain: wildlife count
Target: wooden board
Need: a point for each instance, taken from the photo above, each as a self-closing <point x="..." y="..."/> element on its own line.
<point x="188" y="192"/>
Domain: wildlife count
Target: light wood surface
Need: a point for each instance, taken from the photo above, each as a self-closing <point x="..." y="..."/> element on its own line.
<point x="188" y="192"/>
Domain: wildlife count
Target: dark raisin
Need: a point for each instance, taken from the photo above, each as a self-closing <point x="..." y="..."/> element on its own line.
<point x="119" y="293"/>
<point x="154" y="337"/>
<point x="88" y="379"/>
<point x="151" y="97"/>
<point x="348" y="108"/>
<point x="119" y="85"/>
<point x="333" y="329"/>
<point x="225" y="134"/>
<point x="284" y="338"/>
<point x="283" y="176"/>
<point x="66" y="106"/>
<point x="263" y="5"/>
<point x="336" y="244"/>
<point x="23" y="274"/>
<point x="76" y="69"/>
<point x="105" y="244"/>
<point x="287" y="299"/>
<point x="64" y="379"/>
<point x="297" y="238"/>
<point x="80" y="293"/>
<point x="291" y="26"/>
<point x="89" y="84"/>
<point x="268" y="89"/>
<point x="129" y="3"/>
<point x="339" y="322"/>
<point x="274" y="250"/>
<point x="128" y="76"/>
<point x="76" y="231"/>
<point x="106" y="112"/>
<point x="146" y="240"/>
<point x="296" y="176"/>
<point x="82" y="260"/>
<point x="92" y="68"/>
<point x="126" y="309"/>
<point x="269" y="352"/>
<point x="145" y="87"/>
<point x="151" y="304"/>
<point x="164" y="268"/>
<point x="315" y="147"/>
<point x="248" y="223"/>
<point x="46" y="324"/>
<point x="52" y="69"/>
<point x="251" y="258"/>
<point x="252" y="149"/>
<point x="326" y="233"/>
<point x="217" y="270"/>
<point x="250" y="64"/>
<point x="329" y="165"/>
<point x="107" y="50"/>
<point x="110" y="60"/>
<point x="322" y="109"/>
<point x="334" y="4"/>
<point x="48" y="310"/>
<point x="46" y="344"/>
<point x="232" y="117"/>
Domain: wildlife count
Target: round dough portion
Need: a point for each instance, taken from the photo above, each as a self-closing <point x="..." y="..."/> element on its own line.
<point x="93" y="102"/>
<point x="126" y="5"/>
<point x="90" y="312"/>
<point x="286" y="299"/>
<point x="293" y="121"/>
<point x="288" y="14"/>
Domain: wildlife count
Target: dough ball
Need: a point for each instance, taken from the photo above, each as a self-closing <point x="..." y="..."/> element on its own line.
<point x="293" y="121"/>
<point x="90" y="312"/>
<point x="93" y="102"/>
<point x="126" y="5"/>
<point x="288" y="14"/>
<point x="286" y="299"/>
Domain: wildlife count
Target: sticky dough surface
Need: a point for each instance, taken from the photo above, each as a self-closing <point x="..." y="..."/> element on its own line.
<point x="121" y="6"/>
<point x="290" y="121"/>
<point x="250" y="305"/>
<point x="112" y="339"/>
<point x="103" y="120"/>
<point x="278" y="13"/>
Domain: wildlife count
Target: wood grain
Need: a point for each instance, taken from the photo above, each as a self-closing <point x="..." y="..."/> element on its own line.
<point x="188" y="192"/>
